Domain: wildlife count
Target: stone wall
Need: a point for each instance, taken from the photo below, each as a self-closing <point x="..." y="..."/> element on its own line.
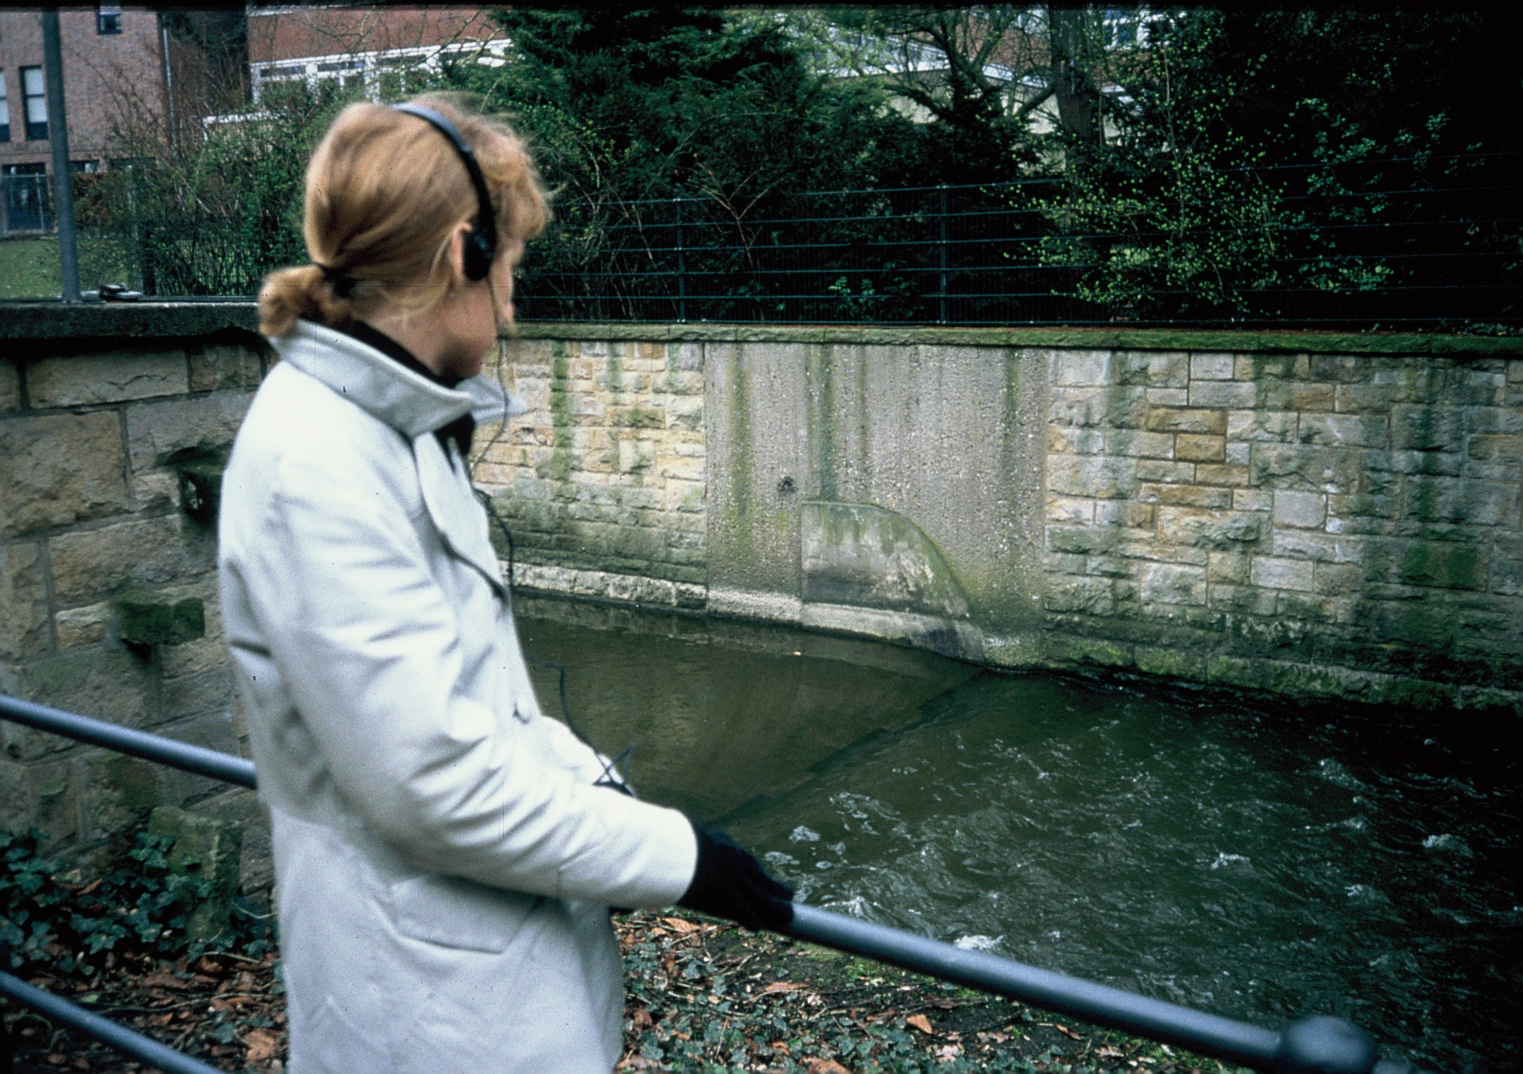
<point x="605" y="474"/>
<point x="1317" y="515"/>
<point x="1308" y="523"/>
<point x="109" y="450"/>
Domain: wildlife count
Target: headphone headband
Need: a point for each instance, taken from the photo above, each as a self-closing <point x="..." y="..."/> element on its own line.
<point x="481" y="243"/>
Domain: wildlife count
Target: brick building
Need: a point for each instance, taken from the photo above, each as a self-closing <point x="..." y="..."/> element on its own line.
<point x="132" y="78"/>
<point x="373" y="49"/>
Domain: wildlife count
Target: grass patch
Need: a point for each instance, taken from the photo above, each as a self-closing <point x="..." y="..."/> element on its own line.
<point x="29" y="268"/>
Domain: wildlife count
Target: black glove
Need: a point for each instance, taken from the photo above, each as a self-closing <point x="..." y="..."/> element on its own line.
<point x="731" y="883"/>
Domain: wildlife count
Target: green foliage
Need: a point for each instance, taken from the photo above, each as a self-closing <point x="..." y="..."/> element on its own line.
<point x="1255" y="152"/>
<point x="1171" y="217"/>
<point x="626" y="106"/>
<point x="50" y="919"/>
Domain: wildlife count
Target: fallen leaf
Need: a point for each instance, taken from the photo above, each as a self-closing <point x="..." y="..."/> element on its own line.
<point x="920" y="1022"/>
<point x="641" y="1019"/>
<point x="944" y="1004"/>
<point x="263" y="1045"/>
<point x="677" y="924"/>
<point x="163" y="979"/>
<point x="785" y="986"/>
<point x="824" y="1066"/>
<point x="949" y="1052"/>
<point x="1110" y="1053"/>
<point x="1067" y="1032"/>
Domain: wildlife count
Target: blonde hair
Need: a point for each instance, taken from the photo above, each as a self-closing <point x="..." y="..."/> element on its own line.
<point x="385" y="190"/>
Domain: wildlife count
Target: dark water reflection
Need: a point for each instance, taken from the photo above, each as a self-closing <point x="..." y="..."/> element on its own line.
<point x="1259" y="864"/>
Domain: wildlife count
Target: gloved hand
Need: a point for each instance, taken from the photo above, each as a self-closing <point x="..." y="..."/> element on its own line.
<point x="731" y="883"/>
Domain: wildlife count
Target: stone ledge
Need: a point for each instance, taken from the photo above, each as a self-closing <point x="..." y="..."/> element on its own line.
<point x="115" y="321"/>
<point x="1100" y="338"/>
<point x="40" y="320"/>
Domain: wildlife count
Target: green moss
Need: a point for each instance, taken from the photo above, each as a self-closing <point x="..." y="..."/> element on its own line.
<point x="153" y="619"/>
<point x="738" y="512"/>
<point x="1172" y="663"/>
<point x="1445" y="564"/>
<point x="1066" y="649"/>
<point x="820" y="383"/>
<point x="639" y="417"/>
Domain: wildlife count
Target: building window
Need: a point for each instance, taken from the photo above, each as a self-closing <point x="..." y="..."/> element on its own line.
<point x="108" y="19"/>
<point x="26" y="205"/>
<point x="36" y="104"/>
<point x="5" y="110"/>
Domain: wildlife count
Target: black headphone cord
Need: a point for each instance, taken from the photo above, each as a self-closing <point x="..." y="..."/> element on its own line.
<point x="616" y="771"/>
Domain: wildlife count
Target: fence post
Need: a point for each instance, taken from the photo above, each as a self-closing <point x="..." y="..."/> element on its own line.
<point x="58" y="138"/>
<point x="63" y="179"/>
<point x="942" y="188"/>
<point x="681" y="268"/>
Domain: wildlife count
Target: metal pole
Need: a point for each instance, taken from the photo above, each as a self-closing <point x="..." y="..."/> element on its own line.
<point x="103" y="1029"/>
<point x="681" y="269"/>
<point x="58" y="136"/>
<point x="182" y="755"/>
<point x="942" y="319"/>
<point x="1313" y="1044"/>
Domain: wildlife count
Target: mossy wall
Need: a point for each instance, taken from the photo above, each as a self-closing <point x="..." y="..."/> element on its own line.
<point x="1315" y="514"/>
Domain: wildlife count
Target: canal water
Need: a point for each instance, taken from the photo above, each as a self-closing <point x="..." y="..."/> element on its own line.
<point x="1261" y="863"/>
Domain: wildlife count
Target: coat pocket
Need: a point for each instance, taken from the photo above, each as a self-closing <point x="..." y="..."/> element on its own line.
<point x="453" y="912"/>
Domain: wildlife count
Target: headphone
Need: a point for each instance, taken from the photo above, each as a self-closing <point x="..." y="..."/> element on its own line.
<point x="481" y="242"/>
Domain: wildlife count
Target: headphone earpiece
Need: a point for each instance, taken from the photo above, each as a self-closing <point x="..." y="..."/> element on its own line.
<point x="478" y="255"/>
<point x="481" y="243"/>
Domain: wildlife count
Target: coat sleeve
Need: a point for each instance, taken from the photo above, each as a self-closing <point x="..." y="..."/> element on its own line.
<point x="370" y="650"/>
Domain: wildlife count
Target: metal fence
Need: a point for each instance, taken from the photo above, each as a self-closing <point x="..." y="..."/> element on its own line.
<point x="1430" y="243"/>
<point x="1358" y="245"/>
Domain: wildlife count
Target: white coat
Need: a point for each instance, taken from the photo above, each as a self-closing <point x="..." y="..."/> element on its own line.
<point x="443" y="861"/>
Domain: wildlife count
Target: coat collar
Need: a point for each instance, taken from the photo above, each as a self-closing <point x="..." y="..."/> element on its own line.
<point x="408" y="402"/>
<point x="415" y="406"/>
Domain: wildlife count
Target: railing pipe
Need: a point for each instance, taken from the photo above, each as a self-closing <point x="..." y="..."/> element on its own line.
<point x="181" y="755"/>
<point x="101" y="1028"/>
<point x="1316" y="1045"/>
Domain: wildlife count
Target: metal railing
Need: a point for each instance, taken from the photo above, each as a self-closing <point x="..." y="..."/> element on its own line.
<point x="1315" y="1044"/>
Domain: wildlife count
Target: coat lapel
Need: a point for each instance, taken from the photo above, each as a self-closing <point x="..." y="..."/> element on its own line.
<point x="454" y="510"/>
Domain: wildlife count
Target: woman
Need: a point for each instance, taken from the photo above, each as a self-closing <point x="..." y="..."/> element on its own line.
<point x="445" y="853"/>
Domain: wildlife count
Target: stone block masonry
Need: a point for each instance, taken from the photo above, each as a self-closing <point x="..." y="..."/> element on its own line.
<point x="94" y="543"/>
<point x="1318" y="516"/>
<point x="1344" y="524"/>
<point x="606" y="472"/>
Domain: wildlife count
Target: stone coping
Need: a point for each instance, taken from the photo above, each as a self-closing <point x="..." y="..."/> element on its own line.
<point x="51" y="320"/>
<point x="126" y="320"/>
<point x="1100" y="338"/>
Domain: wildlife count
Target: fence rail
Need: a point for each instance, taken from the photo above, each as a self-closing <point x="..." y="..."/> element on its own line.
<point x="1316" y="1044"/>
